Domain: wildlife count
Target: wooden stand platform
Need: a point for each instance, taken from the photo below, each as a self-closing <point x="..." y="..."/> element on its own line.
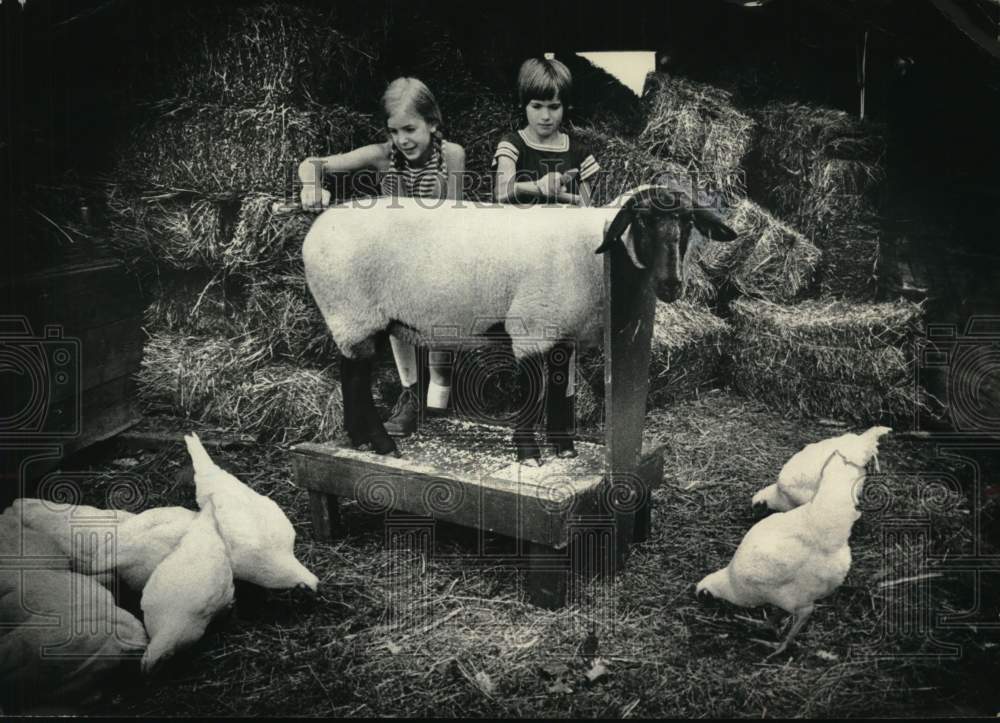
<point x="459" y="472"/>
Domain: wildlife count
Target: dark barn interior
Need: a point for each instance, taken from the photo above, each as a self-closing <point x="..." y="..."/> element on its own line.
<point x="75" y="72"/>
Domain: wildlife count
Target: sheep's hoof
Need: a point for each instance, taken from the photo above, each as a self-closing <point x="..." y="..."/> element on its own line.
<point x="564" y="448"/>
<point x="529" y="453"/>
<point x="383" y="444"/>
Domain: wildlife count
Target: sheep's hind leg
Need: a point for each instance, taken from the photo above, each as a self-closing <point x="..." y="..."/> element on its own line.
<point x="361" y="419"/>
<point x="559" y="409"/>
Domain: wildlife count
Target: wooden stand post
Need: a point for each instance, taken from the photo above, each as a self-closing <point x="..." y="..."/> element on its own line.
<point x="628" y="331"/>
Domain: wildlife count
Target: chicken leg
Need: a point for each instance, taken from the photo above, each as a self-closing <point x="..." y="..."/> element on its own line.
<point x="799" y="618"/>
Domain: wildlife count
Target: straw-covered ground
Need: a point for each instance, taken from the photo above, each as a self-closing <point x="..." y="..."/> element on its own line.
<point x="443" y="632"/>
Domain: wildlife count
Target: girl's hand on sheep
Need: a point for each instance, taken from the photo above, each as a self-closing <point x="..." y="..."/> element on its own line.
<point x="570" y="198"/>
<point x="314" y="199"/>
<point x="551" y="184"/>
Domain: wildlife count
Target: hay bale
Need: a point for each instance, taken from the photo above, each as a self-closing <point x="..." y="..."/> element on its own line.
<point x="175" y="232"/>
<point x="279" y="314"/>
<point x="697" y="126"/>
<point x="624" y="163"/>
<point x="274" y="317"/>
<point x="184" y="232"/>
<point x="699" y="288"/>
<point x="227" y="151"/>
<point x="476" y="117"/>
<point x="795" y="139"/>
<point x="828" y="358"/>
<point x="685" y="357"/>
<point x="233" y="384"/>
<point x="851" y="260"/>
<point x="282" y="403"/>
<point x="190" y="303"/>
<point x="822" y="170"/>
<point x="191" y="375"/>
<point x="687" y="346"/>
<point x="779" y="263"/>
<point x="262" y="239"/>
<point x="768" y="259"/>
<point x="257" y="52"/>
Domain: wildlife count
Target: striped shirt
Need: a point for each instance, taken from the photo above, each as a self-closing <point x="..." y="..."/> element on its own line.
<point x="534" y="160"/>
<point x="428" y="180"/>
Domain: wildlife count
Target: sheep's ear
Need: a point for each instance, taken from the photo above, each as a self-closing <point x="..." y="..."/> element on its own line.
<point x="616" y="228"/>
<point x="627" y="239"/>
<point x="711" y="225"/>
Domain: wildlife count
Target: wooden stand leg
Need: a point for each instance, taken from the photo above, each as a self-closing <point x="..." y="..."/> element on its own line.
<point x="547" y="577"/>
<point x="325" y="512"/>
<point x="650" y="472"/>
<point x="625" y="522"/>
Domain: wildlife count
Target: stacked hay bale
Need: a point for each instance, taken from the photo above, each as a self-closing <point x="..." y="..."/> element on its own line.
<point x="821" y="169"/>
<point x="768" y="260"/>
<point x="841" y="355"/>
<point x="829" y="358"/>
<point x="817" y="173"/>
<point x="698" y="127"/>
<point x="231" y="106"/>
<point x="686" y="357"/>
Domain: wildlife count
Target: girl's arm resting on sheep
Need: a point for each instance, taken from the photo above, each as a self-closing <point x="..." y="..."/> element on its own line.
<point x="510" y="191"/>
<point x="455" y="160"/>
<point x="313" y="169"/>
<point x="572" y="199"/>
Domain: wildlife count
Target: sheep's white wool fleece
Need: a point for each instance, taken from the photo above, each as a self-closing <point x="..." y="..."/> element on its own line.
<point x="455" y="271"/>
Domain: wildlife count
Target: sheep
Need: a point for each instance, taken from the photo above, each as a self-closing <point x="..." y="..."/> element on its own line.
<point x="424" y="273"/>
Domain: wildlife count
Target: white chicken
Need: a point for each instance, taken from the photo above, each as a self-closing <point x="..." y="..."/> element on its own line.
<point x="82" y="533"/>
<point x="792" y="559"/>
<point x="186" y="591"/>
<point x="62" y="635"/>
<point x="30" y="546"/>
<point x="65" y="523"/>
<point x="799" y="478"/>
<point x="260" y="538"/>
<point x="141" y="543"/>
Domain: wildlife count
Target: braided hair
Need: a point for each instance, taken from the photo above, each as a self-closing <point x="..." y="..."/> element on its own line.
<point x="413" y="94"/>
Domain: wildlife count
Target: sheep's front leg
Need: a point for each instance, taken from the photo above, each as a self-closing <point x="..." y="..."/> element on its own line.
<point x="361" y="418"/>
<point x="530" y="411"/>
<point x="559" y="409"/>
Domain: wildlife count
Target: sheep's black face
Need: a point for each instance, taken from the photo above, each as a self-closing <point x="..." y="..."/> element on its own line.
<point x="665" y="238"/>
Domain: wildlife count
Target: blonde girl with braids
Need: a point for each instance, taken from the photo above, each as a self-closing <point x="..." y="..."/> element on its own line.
<point x="415" y="161"/>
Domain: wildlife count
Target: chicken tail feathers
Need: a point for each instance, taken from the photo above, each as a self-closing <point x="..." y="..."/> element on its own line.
<point x="203" y="464"/>
<point x="772" y="498"/>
